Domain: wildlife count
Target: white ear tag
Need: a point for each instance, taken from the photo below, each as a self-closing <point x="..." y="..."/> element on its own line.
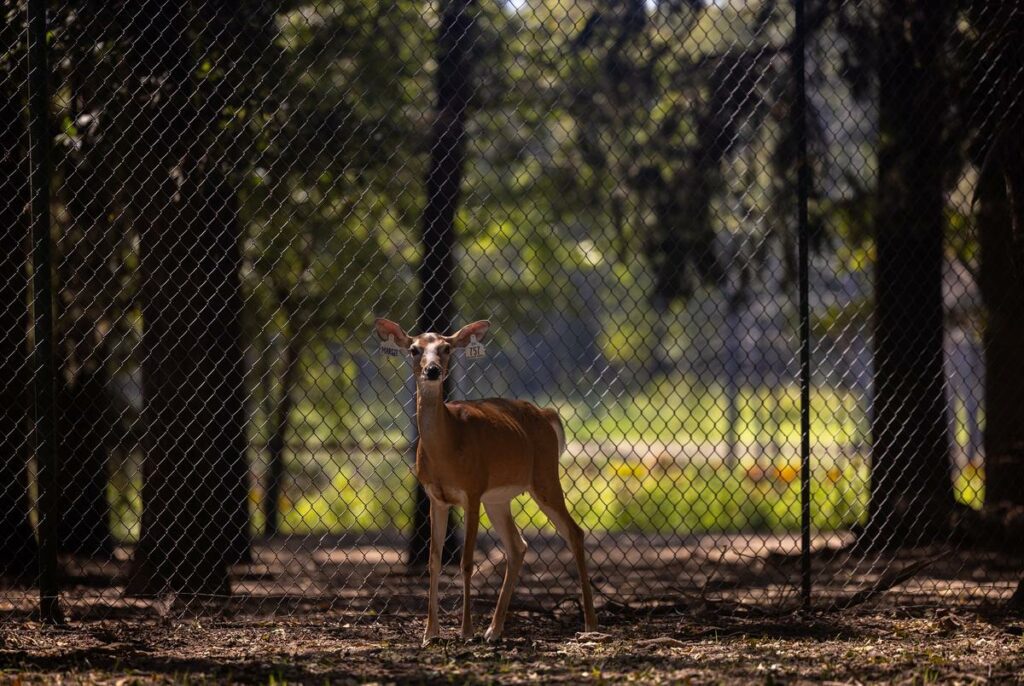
<point x="390" y="348"/>
<point x="475" y="349"/>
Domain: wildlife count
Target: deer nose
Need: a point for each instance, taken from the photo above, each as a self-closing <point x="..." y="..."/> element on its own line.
<point x="432" y="372"/>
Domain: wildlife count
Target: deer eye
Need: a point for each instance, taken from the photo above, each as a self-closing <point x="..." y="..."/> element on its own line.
<point x="415" y="350"/>
<point x="446" y="349"/>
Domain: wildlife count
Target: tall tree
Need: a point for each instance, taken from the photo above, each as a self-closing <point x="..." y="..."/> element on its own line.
<point x="194" y="445"/>
<point x="1002" y="287"/>
<point x="454" y="79"/>
<point x="1002" y="191"/>
<point x="991" y="84"/>
<point x="911" y="486"/>
<point x="88" y="248"/>
<point x="290" y="363"/>
<point x="17" y="543"/>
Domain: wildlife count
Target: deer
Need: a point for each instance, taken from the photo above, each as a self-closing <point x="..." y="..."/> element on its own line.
<point x="483" y="452"/>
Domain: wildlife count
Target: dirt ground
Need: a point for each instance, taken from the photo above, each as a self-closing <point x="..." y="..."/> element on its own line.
<point x="852" y="647"/>
<point x="722" y="610"/>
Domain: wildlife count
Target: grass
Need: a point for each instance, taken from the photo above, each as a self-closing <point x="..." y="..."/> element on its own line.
<point x="684" y="411"/>
<point x="605" y="495"/>
<point x="677" y="409"/>
<point x="630" y="476"/>
<point x="374" y="492"/>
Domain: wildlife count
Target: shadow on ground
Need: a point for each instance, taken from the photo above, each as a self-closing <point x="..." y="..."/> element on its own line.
<point x="707" y="610"/>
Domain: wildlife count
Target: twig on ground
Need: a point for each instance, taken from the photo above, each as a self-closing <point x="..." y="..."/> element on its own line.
<point x="884" y="583"/>
<point x="659" y="642"/>
<point x="714" y="570"/>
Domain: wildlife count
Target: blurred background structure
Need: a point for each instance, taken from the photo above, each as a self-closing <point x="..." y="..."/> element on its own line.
<point x="233" y="190"/>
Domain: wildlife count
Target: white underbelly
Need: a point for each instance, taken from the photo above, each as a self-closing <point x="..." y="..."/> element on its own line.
<point x="502" y="494"/>
<point x="456" y="496"/>
<point x="448" y="495"/>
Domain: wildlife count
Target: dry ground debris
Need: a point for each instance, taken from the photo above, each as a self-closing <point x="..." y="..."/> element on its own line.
<point x="890" y="646"/>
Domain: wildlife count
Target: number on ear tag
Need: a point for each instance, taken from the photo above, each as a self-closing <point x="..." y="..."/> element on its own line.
<point x="475" y="349"/>
<point x="390" y="348"/>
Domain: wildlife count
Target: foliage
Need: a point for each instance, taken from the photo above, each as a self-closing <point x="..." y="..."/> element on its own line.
<point x="629" y="163"/>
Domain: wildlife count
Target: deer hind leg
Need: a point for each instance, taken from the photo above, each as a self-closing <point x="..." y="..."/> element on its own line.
<point x="552" y="504"/>
<point x="468" y="548"/>
<point x="438" y="531"/>
<point x="500" y="514"/>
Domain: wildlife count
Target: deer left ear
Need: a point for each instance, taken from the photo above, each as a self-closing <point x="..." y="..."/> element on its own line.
<point x="462" y="337"/>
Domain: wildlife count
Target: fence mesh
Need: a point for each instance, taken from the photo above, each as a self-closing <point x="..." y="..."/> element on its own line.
<point x="240" y="188"/>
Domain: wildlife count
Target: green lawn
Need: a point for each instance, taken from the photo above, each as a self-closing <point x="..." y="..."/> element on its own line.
<point x="606" y="494"/>
<point x="627" y="468"/>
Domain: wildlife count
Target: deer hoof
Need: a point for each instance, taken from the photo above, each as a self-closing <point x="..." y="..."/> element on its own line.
<point x="492" y="634"/>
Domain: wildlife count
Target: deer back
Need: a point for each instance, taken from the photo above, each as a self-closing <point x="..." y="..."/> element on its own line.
<point x="495" y="445"/>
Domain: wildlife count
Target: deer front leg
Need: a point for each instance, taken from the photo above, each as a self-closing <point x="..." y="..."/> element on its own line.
<point x="438" y="529"/>
<point x="468" y="547"/>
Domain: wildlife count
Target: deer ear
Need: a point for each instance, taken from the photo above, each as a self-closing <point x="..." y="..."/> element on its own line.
<point x="386" y="327"/>
<point x="462" y="337"/>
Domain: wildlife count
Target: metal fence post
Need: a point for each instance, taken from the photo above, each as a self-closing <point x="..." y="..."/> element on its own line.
<point x="799" y="48"/>
<point x="43" y="372"/>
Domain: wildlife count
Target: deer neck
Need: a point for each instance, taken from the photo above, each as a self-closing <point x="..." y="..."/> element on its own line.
<point x="433" y="420"/>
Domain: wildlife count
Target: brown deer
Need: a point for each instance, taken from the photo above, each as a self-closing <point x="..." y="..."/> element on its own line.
<point x="483" y="451"/>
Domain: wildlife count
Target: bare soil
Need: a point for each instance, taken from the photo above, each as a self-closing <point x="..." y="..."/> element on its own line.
<point x="855" y="647"/>
<point x="721" y="610"/>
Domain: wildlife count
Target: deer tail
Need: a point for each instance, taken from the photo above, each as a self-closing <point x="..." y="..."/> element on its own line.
<point x="556" y="424"/>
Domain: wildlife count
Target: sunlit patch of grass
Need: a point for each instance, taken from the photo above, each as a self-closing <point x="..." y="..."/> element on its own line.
<point x="604" y="494"/>
<point x="969" y="485"/>
<point x="609" y="495"/>
<point x="683" y="410"/>
<point x="362" y="488"/>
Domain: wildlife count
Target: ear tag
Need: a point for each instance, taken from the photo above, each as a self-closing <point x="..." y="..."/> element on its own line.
<point x="475" y="349"/>
<point x="390" y="348"/>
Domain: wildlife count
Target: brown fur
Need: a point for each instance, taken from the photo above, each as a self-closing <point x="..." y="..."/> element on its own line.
<point x="494" y="443"/>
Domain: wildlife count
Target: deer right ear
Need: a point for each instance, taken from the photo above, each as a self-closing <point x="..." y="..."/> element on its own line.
<point x="386" y="327"/>
<point x="463" y="336"/>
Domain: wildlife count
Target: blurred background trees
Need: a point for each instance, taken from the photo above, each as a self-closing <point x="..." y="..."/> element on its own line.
<point x="241" y="186"/>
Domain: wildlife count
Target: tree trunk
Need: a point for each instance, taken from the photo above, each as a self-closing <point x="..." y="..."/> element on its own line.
<point x="85" y="421"/>
<point x="443" y="184"/>
<point x="195" y="510"/>
<point x="1002" y="288"/>
<point x="998" y="154"/>
<point x="1013" y="178"/>
<point x="227" y="357"/>
<point x="737" y="305"/>
<point x="195" y="516"/>
<point x="85" y="309"/>
<point x="17" y="542"/>
<point x="911" y="487"/>
<point x="279" y="439"/>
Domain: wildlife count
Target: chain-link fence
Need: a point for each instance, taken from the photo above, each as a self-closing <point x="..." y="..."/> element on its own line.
<point x="761" y="258"/>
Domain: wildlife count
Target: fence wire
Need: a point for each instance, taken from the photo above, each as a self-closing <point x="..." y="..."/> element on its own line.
<point x="239" y="188"/>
